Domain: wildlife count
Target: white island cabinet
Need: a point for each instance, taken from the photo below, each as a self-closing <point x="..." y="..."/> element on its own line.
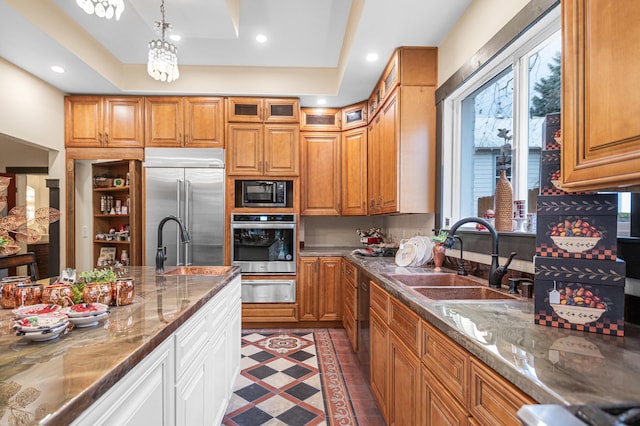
<point x="188" y="379"/>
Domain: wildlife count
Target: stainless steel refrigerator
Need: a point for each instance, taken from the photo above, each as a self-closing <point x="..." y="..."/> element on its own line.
<point x="187" y="183"/>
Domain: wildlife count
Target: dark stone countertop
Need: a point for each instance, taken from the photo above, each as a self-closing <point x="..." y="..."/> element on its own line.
<point x="57" y="380"/>
<point x="552" y="365"/>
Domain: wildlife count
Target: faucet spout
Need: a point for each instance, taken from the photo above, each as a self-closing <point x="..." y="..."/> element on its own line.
<point x="161" y="254"/>
<point x="496" y="272"/>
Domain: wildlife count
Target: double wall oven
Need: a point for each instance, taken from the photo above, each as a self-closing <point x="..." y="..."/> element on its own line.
<point x="265" y="244"/>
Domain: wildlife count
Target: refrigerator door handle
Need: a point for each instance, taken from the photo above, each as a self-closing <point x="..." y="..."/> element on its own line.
<point x="187" y="219"/>
<point x="179" y="194"/>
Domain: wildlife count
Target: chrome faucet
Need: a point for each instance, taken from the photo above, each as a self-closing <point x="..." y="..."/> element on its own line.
<point x="161" y="254"/>
<point x="496" y="272"/>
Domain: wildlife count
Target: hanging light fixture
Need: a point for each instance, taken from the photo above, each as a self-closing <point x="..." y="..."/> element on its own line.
<point x="163" y="56"/>
<point x="102" y="8"/>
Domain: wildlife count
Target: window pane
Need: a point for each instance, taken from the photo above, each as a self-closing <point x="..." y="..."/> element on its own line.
<point x="487" y="123"/>
<point x="544" y="98"/>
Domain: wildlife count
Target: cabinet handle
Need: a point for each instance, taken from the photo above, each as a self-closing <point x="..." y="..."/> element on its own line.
<point x="106" y="138"/>
<point x="266" y="166"/>
<point x="99" y="138"/>
<point x="380" y="202"/>
<point x="260" y="166"/>
<point x="180" y="140"/>
<point x="186" y="139"/>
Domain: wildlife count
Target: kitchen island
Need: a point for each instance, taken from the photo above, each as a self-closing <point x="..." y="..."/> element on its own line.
<point x="147" y="361"/>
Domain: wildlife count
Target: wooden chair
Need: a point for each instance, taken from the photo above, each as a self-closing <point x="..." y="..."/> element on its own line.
<point x="28" y="259"/>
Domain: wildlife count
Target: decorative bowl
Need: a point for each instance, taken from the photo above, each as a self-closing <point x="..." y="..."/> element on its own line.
<point x="576" y="244"/>
<point x="39" y="309"/>
<point x="85" y="309"/>
<point x="40" y="322"/>
<point x="577" y="314"/>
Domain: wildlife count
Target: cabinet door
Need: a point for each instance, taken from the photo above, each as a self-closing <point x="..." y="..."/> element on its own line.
<point x="379" y="359"/>
<point x="123" y="125"/>
<point x="204" y="122"/>
<point x="354" y="172"/>
<point x="404" y="384"/>
<point x="308" y="289"/>
<point x="281" y="110"/>
<point x="354" y="116"/>
<point x="389" y="139"/>
<point x="192" y="392"/>
<point x="320" y="173"/>
<point x="436" y="406"/>
<point x="374" y="206"/>
<point x="600" y="126"/>
<point x="244" y="110"/>
<point x="281" y="150"/>
<point x="164" y="123"/>
<point x="83" y="121"/>
<point x="329" y="291"/>
<point x="320" y="119"/>
<point x="244" y="149"/>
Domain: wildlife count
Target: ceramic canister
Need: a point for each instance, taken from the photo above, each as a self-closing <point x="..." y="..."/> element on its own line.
<point x="8" y="286"/>
<point x="59" y="294"/>
<point x="27" y="295"/>
<point x="97" y="293"/>
<point x="122" y="292"/>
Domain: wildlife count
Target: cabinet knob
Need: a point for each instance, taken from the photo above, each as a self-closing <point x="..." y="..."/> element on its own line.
<point x="106" y="138"/>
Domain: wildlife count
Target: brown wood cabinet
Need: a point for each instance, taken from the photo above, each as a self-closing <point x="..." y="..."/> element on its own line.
<point x="261" y="110"/>
<point x="188" y="122"/>
<point x="104" y="121"/>
<point x="269" y="312"/>
<point x="600" y="108"/>
<point x="379" y="353"/>
<point x="320" y="119"/>
<point x="437" y="407"/>
<point x="319" y="289"/>
<point x="404" y="383"/>
<point x="354" y="116"/>
<point x="350" y="301"/>
<point x="354" y="172"/>
<point x="115" y="219"/>
<point x="320" y="173"/>
<point x="263" y="149"/>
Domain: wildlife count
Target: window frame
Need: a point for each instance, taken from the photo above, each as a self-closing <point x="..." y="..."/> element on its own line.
<point x="516" y="55"/>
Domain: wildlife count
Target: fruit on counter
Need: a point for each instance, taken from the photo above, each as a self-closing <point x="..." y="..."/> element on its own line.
<point x="576" y="228"/>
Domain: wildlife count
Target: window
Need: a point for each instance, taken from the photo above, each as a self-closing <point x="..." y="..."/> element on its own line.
<point x="495" y="121"/>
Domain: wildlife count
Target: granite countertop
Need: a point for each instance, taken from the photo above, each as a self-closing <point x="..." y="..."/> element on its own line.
<point x="57" y="380"/>
<point x="551" y="365"/>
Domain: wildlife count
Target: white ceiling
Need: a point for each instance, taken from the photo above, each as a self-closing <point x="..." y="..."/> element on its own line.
<point x="316" y="48"/>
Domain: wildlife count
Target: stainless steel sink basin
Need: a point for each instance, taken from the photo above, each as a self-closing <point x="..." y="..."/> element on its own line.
<point x="199" y="270"/>
<point x="435" y="280"/>
<point x="462" y="293"/>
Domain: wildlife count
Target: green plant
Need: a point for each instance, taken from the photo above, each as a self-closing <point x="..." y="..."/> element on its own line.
<point x="98" y="276"/>
<point x="3" y="241"/>
<point x="78" y="292"/>
<point x="440" y="237"/>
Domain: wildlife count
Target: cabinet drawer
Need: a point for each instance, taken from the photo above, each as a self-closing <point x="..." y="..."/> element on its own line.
<point x="270" y="312"/>
<point x="350" y="272"/>
<point x="405" y="324"/>
<point x="379" y="301"/>
<point x="493" y="399"/>
<point x="447" y="361"/>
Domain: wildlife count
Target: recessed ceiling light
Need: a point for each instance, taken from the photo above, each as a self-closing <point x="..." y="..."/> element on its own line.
<point x="56" y="68"/>
<point x="261" y="38"/>
<point x="322" y="101"/>
<point x="372" y="57"/>
<point x="175" y="37"/>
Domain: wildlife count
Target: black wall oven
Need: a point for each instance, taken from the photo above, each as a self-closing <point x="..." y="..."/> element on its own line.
<point x="264" y="243"/>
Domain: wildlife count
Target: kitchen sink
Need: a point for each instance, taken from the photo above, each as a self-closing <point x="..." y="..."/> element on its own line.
<point x="199" y="270"/>
<point x="462" y="293"/>
<point x="435" y="280"/>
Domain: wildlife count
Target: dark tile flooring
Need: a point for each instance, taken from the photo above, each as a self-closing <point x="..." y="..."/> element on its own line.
<point x="359" y="392"/>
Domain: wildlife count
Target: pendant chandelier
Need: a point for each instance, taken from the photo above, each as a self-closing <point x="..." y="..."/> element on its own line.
<point x="163" y="56"/>
<point x="102" y="8"/>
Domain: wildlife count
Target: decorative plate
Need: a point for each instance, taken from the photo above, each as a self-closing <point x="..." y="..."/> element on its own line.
<point x="89" y="320"/>
<point x="44" y="335"/>
<point x="40" y="322"/>
<point x="406" y="255"/>
<point x="39" y="309"/>
<point x="85" y="309"/>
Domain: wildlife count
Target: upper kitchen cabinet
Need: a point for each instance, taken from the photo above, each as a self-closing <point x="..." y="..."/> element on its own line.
<point x="189" y="122"/>
<point x="104" y="122"/>
<point x="354" y="115"/>
<point x="401" y="135"/>
<point x="600" y="107"/>
<point x="320" y="176"/>
<point x="263" y="149"/>
<point x="263" y="110"/>
<point x="321" y="119"/>
<point x="354" y="172"/>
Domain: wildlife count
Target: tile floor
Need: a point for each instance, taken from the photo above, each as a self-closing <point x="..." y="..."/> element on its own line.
<point x="303" y="402"/>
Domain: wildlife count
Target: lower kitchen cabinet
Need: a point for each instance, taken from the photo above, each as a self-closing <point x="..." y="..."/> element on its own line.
<point x="404" y="383"/>
<point x="350" y="302"/>
<point x="437" y="406"/>
<point x="319" y="289"/>
<point x="187" y="379"/>
<point x="379" y="359"/>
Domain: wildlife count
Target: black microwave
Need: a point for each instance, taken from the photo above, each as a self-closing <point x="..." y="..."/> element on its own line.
<point x="264" y="193"/>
